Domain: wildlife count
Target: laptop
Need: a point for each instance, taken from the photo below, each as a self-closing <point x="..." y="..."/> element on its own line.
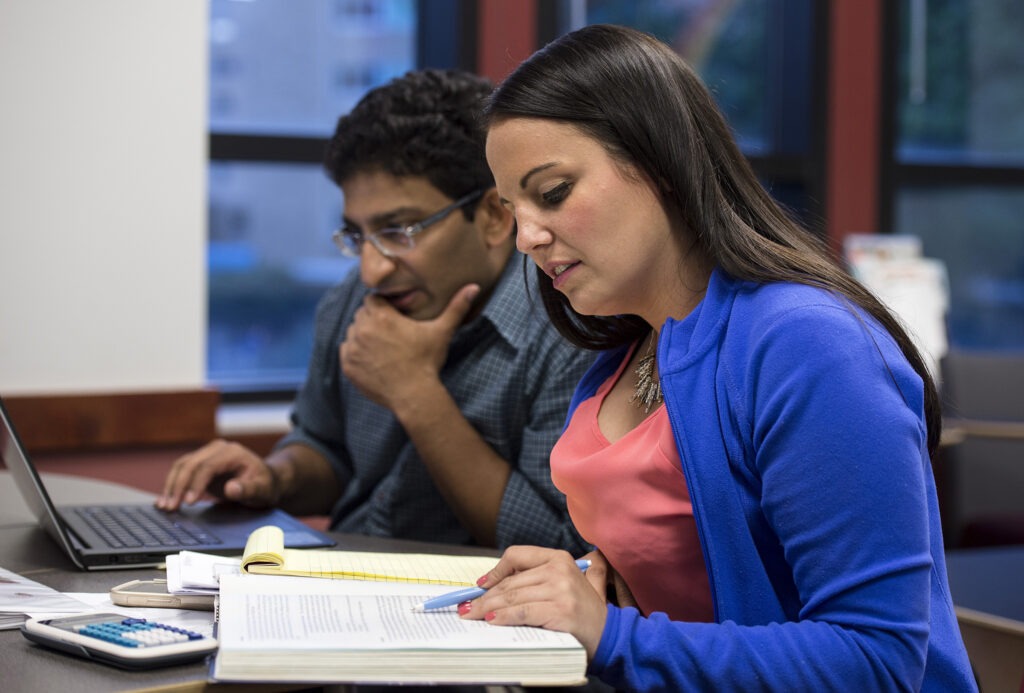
<point x="95" y="537"/>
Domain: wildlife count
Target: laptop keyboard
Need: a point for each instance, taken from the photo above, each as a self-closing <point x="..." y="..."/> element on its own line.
<point x="142" y="526"/>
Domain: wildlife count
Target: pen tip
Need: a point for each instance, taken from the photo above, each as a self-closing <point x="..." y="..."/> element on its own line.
<point x="417" y="608"/>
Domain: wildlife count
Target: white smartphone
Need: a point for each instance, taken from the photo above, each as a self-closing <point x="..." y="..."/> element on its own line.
<point x="153" y="593"/>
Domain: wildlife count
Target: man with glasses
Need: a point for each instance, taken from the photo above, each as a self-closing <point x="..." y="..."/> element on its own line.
<point x="436" y="386"/>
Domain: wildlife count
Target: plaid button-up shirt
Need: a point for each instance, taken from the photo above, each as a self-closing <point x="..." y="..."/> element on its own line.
<point x="512" y="376"/>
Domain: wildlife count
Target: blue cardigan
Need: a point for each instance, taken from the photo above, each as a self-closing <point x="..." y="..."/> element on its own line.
<point x="800" y="428"/>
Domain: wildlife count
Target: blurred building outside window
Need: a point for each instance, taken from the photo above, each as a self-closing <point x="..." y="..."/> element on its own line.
<point x="957" y="165"/>
<point x="283" y="71"/>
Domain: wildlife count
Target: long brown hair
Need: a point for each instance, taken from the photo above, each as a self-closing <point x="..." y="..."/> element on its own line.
<point x="649" y="109"/>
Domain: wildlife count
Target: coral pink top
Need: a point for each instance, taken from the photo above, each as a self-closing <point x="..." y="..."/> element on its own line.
<point x="629" y="498"/>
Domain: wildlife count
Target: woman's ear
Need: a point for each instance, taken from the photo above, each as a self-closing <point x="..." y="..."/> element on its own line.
<point x="496" y="220"/>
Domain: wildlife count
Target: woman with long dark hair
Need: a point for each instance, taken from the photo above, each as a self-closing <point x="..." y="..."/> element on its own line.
<point x="750" y="453"/>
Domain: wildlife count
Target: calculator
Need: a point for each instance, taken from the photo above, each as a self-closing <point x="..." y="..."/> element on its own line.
<point x="129" y="643"/>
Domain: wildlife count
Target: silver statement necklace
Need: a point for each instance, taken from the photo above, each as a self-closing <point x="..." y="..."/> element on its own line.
<point x="647" y="392"/>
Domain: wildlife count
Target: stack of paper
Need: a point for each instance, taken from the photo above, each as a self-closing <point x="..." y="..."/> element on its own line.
<point x="21" y="598"/>
<point x="190" y="572"/>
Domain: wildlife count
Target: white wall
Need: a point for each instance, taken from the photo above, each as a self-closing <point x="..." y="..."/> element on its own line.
<point x="102" y="195"/>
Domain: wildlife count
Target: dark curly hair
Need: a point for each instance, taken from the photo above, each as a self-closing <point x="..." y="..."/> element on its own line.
<point x="424" y="123"/>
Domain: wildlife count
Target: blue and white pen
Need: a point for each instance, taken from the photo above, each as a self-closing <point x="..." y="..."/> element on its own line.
<point x="468" y="593"/>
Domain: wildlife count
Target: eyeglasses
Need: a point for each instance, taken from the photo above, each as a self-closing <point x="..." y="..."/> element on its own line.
<point x="394" y="240"/>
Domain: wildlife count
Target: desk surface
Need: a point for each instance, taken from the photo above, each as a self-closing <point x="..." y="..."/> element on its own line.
<point x="27" y="550"/>
<point x="984" y="582"/>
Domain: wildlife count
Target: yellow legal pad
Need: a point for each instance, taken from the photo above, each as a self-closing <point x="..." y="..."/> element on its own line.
<point x="265" y="554"/>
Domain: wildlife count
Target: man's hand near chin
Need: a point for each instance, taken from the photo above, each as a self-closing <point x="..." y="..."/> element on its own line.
<point x="389" y="356"/>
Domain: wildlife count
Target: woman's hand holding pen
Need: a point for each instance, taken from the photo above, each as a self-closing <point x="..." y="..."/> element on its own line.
<point x="534" y="586"/>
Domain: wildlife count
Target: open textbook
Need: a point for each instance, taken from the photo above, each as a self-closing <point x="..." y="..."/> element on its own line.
<point x="285" y="629"/>
<point x="265" y="554"/>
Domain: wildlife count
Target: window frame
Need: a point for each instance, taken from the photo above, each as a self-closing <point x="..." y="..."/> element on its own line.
<point x="894" y="174"/>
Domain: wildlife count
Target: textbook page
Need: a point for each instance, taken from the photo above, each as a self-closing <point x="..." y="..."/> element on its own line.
<point x="282" y="629"/>
<point x="285" y="612"/>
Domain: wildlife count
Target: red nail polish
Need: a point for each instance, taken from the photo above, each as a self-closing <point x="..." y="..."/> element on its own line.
<point x="481" y="581"/>
<point x="489" y="616"/>
<point x="464" y="608"/>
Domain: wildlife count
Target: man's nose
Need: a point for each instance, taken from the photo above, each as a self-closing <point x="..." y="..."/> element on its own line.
<point x="374" y="265"/>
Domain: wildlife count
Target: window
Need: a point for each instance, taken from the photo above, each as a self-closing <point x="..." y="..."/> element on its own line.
<point x="758" y="59"/>
<point x="270" y="258"/>
<point x="281" y="73"/>
<point x="956" y="159"/>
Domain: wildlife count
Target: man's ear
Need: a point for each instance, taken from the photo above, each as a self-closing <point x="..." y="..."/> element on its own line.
<point x="494" y="219"/>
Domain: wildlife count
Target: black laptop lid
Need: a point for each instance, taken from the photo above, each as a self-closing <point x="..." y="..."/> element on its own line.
<point x="30" y="486"/>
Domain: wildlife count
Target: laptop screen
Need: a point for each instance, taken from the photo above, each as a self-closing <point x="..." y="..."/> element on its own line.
<point x="28" y="482"/>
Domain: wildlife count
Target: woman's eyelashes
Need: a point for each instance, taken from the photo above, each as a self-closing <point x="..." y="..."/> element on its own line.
<point x="557" y="194"/>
